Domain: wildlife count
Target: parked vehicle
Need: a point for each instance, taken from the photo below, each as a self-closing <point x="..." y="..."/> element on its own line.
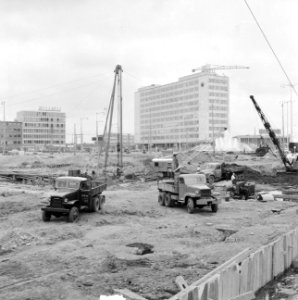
<point x="187" y="189"/>
<point x="73" y="195"/>
<point x="216" y="171"/>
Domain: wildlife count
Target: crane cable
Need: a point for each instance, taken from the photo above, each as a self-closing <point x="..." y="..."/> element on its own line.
<point x="266" y="39"/>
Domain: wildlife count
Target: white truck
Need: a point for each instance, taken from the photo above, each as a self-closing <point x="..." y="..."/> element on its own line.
<point x="187" y="189"/>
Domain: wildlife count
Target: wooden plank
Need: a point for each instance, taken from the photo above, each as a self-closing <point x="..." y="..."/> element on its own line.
<point x="244" y="276"/>
<point x="181" y="283"/>
<point x="246" y="296"/>
<point x="129" y="294"/>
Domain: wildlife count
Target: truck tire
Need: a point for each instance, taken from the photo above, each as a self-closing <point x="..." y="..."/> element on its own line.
<point x="244" y="195"/>
<point x="190" y="205"/>
<point x="73" y="215"/>
<point x="161" y="198"/>
<point x="168" y="200"/>
<point x="214" y="207"/>
<point x="211" y="179"/>
<point x="94" y="205"/>
<point x="46" y="216"/>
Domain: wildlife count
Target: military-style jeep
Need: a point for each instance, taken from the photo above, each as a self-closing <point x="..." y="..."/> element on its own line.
<point x="72" y="195"/>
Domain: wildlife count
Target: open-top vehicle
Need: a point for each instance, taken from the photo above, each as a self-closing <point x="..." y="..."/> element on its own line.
<point x="187" y="189"/>
<point x="72" y="195"/>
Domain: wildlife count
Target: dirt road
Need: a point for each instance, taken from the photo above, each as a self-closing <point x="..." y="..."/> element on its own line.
<point x="59" y="260"/>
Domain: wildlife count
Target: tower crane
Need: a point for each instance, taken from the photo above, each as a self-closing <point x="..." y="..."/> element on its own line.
<point x="211" y="68"/>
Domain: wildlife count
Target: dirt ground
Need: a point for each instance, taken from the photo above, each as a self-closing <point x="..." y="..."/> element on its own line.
<point x="60" y="260"/>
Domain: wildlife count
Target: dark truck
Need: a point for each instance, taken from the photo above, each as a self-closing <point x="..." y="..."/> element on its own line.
<point x="187" y="189"/>
<point x="72" y="195"/>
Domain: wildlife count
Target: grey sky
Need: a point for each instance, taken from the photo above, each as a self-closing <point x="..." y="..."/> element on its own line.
<point x="63" y="53"/>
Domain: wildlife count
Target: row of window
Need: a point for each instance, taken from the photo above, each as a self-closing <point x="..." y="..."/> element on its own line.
<point x="176" y="113"/>
<point x="218" y="121"/>
<point x="169" y="137"/>
<point x="170" y="95"/>
<point x="217" y="80"/>
<point x="10" y="136"/>
<point x="215" y="128"/>
<point x="215" y="101"/>
<point x="220" y="95"/>
<point x="46" y="130"/>
<point x="218" y="115"/>
<point x="43" y="125"/>
<point x="166" y="107"/>
<point x="156" y="125"/>
<point x="215" y="107"/>
<point x="43" y="136"/>
<point x="43" y="142"/>
<point x="159" y="89"/>
<point x="219" y="88"/>
<point x="170" y="100"/>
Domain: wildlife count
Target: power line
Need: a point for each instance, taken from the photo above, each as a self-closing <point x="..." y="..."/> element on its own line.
<point x="275" y="55"/>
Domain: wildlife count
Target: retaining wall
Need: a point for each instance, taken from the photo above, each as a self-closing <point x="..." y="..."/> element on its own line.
<point x="244" y="274"/>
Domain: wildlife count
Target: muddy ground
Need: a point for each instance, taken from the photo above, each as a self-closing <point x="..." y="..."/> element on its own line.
<point x="60" y="260"/>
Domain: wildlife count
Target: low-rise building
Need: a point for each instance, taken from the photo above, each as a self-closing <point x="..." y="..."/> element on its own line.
<point x="10" y="135"/>
<point x="42" y="128"/>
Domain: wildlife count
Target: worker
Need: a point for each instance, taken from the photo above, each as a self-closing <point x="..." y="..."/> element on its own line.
<point x="175" y="163"/>
<point x="233" y="178"/>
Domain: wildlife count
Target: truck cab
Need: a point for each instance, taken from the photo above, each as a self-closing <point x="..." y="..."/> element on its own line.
<point x="73" y="194"/>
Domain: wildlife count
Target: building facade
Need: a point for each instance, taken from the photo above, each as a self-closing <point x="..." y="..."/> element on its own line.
<point x="42" y="128"/>
<point x="10" y="136"/>
<point x="189" y="111"/>
<point x="127" y="140"/>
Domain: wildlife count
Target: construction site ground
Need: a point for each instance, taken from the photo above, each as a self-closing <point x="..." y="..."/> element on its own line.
<point x="60" y="260"/>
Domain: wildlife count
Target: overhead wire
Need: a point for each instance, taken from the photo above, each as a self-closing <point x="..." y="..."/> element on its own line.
<point x="271" y="48"/>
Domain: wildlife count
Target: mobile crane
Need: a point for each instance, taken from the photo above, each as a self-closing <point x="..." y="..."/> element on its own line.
<point x="290" y="166"/>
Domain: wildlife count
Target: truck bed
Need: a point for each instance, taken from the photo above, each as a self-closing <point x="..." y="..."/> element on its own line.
<point x="98" y="188"/>
<point x="167" y="186"/>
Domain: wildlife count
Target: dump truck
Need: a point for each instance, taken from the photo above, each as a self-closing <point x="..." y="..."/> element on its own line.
<point x="187" y="189"/>
<point x="215" y="171"/>
<point x="72" y="195"/>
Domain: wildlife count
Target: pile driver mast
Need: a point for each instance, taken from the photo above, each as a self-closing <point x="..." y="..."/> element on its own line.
<point x="288" y="165"/>
<point x="117" y="89"/>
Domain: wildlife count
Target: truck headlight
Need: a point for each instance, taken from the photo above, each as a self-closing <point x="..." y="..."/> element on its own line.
<point x="65" y="200"/>
<point x="197" y="192"/>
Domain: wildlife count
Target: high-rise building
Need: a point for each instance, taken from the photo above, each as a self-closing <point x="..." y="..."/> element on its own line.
<point x="42" y="128"/>
<point x="10" y="135"/>
<point x="189" y="111"/>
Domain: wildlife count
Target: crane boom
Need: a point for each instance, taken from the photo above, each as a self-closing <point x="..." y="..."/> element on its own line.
<point x="272" y="134"/>
<point x="211" y="68"/>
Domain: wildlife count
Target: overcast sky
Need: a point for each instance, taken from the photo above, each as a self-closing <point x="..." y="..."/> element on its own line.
<point x="63" y="53"/>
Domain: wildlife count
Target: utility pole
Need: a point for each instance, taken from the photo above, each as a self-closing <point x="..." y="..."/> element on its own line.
<point x="291" y="86"/>
<point x="4" y="128"/>
<point x="81" y="123"/>
<point x="74" y="140"/>
<point x="213" y="139"/>
<point x="283" y="125"/>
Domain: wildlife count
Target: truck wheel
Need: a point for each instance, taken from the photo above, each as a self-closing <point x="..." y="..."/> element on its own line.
<point x="244" y="195"/>
<point x="232" y="194"/>
<point x="94" y="205"/>
<point x="161" y="198"/>
<point x="211" y="179"/>
<point x="46" y="216"/>
<point x="73" y="215"/>
<point x="214" y="207"/>
<point x="190" y="205"/>
<point x="168" y="200"/>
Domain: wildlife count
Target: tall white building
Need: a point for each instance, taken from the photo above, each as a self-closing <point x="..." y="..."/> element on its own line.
<point x="191" y="110"/>
<point x="45" y="127"/>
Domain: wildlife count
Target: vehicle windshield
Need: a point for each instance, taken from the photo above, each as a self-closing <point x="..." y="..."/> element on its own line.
<point x="195" y="179"/>
<point x="67" y="184"/>
<point x="210" y="166"/>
